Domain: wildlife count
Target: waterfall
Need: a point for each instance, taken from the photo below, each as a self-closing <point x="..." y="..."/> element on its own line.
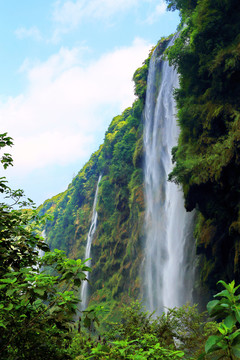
<point x="92" y="229"/>
<point x="168" y="268"/>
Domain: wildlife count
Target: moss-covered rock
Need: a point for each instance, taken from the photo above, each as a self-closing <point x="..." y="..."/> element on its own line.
<point x="207" y="160"/>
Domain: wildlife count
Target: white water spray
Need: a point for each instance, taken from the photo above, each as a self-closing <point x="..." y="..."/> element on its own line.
<point x="92" y="229"/>
<point x="168" y="268"/>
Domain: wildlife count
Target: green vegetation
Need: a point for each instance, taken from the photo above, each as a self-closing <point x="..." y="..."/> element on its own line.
<point x="206" y="54"/>
<point x="36" y="309"/>
<point x="39" y="295"/>
<point x="207" y="159"/>
<point x="226" y="342"/>
<point x="139" y="336"/>
<point x="178" y="334"/>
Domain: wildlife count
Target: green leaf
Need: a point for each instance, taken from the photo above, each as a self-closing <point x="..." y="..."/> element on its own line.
<point x="77" y="282"/>
<point x="225" y="305"/>
<point x="122" y="351"/>
<point x="223" y="329"/>
<point x="229" y="287"/>
<point x="230" y="321"/>
<point x="235" y="337"/>
<point x="10" y="292"/>
<point x="39" y="291"/>
<point x="236" y="349"/>
<point x="9" y="307"/>
<point x="211" y="343"/>
<point x="224" y="293"/>
<point x="2" y="325"/>
<point x="237" y="314"/>
<point x="24" y="301"/>
<point x="9" y="281"/>
<point x="212" y="305"/>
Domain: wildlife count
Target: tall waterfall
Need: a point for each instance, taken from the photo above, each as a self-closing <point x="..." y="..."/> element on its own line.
<point x="92" y="229"/>
<point x="168" y="270"/>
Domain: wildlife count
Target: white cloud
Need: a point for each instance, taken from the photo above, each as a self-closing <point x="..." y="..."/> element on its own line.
<point x="71" y="12"/>
<point x="33" y="32"/>
<point x="66" y="105"/>
<point x="159" y="10"/>
<point x="67" y="15"/>
<point x="50" y="147"/>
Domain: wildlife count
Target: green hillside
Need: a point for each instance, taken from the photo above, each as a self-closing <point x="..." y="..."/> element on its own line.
<point x="117" y="245"/>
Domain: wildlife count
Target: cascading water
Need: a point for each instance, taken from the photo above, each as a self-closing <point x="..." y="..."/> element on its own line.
<point x="168" y="264"/>
<point x="92" y="229"/>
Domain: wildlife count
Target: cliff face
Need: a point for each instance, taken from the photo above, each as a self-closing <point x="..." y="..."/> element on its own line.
<point x="116" y="250"/>
<point x="115" y="246"/>
<point x="207" y="164"/>
<point x="207" y="157"/>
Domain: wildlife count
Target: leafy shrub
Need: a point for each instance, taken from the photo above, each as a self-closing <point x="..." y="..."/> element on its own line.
<point x="225" y="343"/>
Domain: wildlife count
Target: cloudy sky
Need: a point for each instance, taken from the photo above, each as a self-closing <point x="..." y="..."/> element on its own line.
<point x="66" y="70"/>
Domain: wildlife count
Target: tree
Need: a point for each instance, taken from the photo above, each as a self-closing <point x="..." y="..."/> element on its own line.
<point x="37" y="307"/>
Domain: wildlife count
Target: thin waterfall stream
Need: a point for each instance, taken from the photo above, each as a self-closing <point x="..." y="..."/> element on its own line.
<point x="168" y="262"/>
<point x="92" y="229"/>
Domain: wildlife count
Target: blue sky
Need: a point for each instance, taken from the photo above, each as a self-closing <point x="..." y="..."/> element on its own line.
<point x="66" y="70"/>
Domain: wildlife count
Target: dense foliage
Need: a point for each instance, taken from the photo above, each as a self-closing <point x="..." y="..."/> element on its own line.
<point x="178" y="334"/>
<point x="36" y="309"/>
<point x="207" y="161"/>
<point x="226" y="341"/>
<point x="139" y="336"/>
